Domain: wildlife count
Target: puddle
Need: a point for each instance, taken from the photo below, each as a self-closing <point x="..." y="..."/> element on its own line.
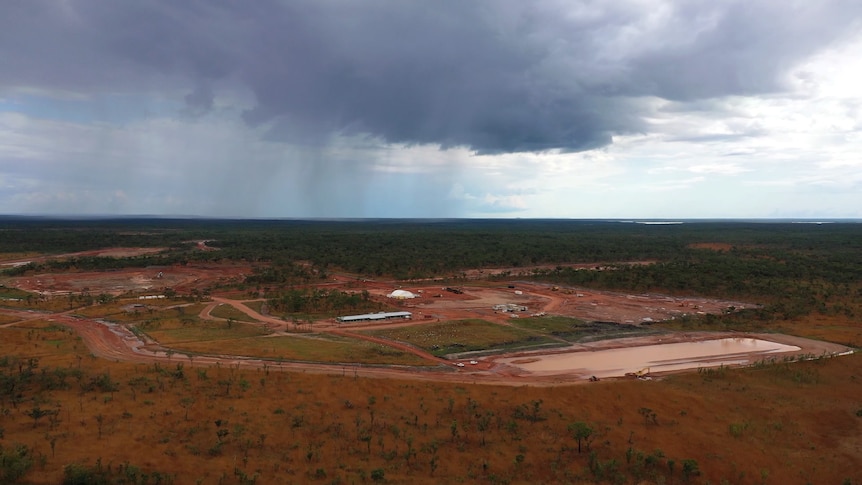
<point x="658" y="358"/>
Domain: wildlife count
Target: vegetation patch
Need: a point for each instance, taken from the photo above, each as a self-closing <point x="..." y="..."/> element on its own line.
<point x="322" y="301"/>
<point x="229" y="312"/>
<point x="575" y="330"/>
<point x="259" y="306"/>
<point x="172" y="331"/>
<point x="40" y="339"/>
<point x="14" y="294"/>
<point x="777" y="422"/>
<point x="308" y="348"/>
<point x="464" y="336"/>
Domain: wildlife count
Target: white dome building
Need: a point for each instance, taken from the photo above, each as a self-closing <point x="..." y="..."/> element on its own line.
<point x="401" y="295"/>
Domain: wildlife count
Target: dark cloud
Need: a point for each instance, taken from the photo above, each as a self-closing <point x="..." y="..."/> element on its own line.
<point x="739" y="48"/>
<point x="200" y="101"/>
<point x="494" y="76"/>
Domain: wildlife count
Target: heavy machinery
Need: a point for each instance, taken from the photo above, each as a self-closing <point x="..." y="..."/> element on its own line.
<point x="639" y="374"/>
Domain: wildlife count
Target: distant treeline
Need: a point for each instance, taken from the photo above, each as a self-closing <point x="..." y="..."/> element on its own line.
<point x="778" y="262"/>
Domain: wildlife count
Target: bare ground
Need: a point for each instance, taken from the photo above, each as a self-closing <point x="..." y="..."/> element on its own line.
<point x="117" y="342"/>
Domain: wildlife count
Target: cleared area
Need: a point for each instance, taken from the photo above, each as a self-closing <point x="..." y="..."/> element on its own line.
<point x="655" y="358"/>
<point x="511" y="332"/>
<point x="456" y="337"/>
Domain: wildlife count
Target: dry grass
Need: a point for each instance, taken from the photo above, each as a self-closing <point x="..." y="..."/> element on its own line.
<point x="172" y="332"/>
<point x="227" y="311"/>
<point x="792" y="423"/>
<point x="464" y="336"/>
<point x="839" y="329"/>
<point x="307" y="348"/>
<point x="8" y="319"/>
<point x="127" y="310"/>
<point x="780" y="423"/>
<point x="19" y="255"/>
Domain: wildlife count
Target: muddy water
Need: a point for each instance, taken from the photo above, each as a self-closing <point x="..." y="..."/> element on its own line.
<point x="659" y="358"/>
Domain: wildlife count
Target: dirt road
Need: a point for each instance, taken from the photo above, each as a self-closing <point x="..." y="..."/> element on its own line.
<point x="118" y="343"/>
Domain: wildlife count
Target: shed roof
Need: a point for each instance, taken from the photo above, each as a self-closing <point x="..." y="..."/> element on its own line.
<point x="374" y="316"/>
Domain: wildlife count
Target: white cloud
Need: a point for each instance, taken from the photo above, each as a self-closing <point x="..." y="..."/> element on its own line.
<point x="748" y="151"/>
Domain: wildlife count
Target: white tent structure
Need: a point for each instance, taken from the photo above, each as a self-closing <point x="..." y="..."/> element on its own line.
<point x="401" y="295"/>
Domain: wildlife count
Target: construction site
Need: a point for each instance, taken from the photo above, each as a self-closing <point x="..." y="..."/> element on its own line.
<point x="543" y="333"/>
<point x="186" y="363"/>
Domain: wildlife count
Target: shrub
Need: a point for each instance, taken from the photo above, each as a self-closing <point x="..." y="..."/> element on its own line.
<point x="378" y="475"/>
<point x="15" y="462"/>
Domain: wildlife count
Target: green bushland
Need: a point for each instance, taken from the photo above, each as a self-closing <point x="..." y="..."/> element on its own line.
<point x="306" y="348"/>
<point x="464" y="336"/>
<point x="324" y="302"/>
<point x="14" y="294"/>
<point x="126" y="311"/>
<point x="256" y="306"/>
<point x="793" y="270"/>
<point x="227" y="311"/>
<point x="575" y="330"/>
<point x="170" y="332"/>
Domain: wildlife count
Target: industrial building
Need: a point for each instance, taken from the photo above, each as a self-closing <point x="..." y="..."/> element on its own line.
<point x="510" y="307"/>
<point x="374" y="316"/>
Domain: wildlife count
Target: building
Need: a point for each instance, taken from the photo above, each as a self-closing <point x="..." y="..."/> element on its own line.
<point x="401" y="295"/>
<point x="509" y="307"/>
<point x="374" y="316"/>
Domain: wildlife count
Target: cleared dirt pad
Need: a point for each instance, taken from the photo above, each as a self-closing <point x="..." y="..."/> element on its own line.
<point x="590" y="305"/>
<point x="125" y="280"/>
<point x="436" y="304"/>
<point x="116" y="342"/>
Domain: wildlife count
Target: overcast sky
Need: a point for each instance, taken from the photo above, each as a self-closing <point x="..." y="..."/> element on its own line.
<point x="444" y="108"/>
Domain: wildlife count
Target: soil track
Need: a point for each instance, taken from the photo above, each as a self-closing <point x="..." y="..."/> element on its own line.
<point x="119" y="282"/>
<point x="584" y="304"/>
<point x="117" y="342"/>
<point x="106" y="253"/>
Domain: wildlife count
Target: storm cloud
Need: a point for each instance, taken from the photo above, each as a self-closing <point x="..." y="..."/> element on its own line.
<point x="384" y="108"/>
<point x="493" y="76"/>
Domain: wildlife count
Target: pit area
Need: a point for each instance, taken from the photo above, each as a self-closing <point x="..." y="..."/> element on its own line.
<point x="514" y="332"/>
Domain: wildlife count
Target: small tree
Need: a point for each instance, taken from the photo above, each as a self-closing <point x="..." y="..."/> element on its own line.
<point x="221" y="433"/>
<point x="226" y="383"/>
<point x="100" y="420"/>
<point x="648" y="415"/>
<point x="37" y="413"/>
<point x="483" y="422"/>
<point x="187" y="403"/>
<point x="582" y="433"/>
<point x="14" y="463"/>
<point x="690" y="469"/>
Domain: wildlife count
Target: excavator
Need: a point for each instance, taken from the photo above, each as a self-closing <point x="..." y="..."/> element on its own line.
<point x="639" y="374"/>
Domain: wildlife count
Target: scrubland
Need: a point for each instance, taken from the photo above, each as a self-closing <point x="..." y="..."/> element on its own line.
<point x="69" y="417"/>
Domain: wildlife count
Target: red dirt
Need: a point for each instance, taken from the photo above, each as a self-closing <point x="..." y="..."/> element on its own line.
<point x="107" y="253"/>
<point x="714" y="246"/>
<point x="147" y="280"/>
<point x="116" y="342"/>
<point x="475" y="274"/>
<point x="590" y="305"/>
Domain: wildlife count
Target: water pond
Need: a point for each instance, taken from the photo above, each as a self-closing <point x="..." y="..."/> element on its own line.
<point x="658" y="358"/>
